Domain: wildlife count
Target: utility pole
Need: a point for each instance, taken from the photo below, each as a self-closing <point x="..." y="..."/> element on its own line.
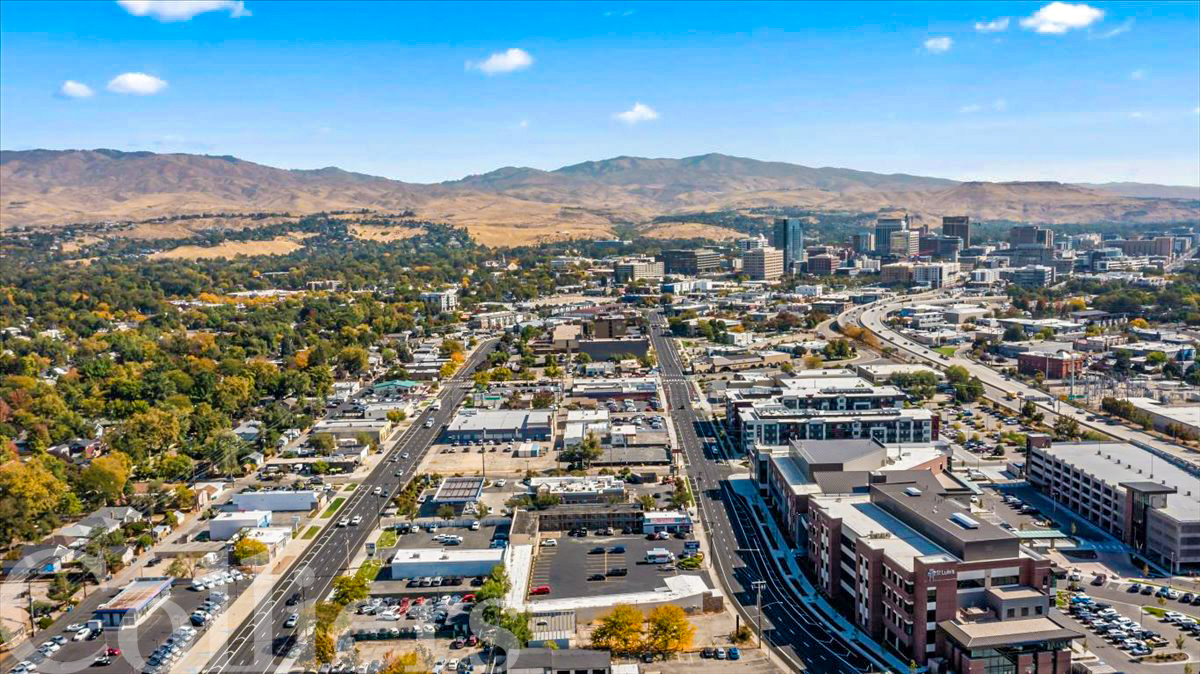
<point x="758" y="586"/>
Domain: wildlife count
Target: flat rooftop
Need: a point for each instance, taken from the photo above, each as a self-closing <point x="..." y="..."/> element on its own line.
<point x="459" y="489"/>
<point x="412" y="555"/>
<point x="137" y="594"/>
<point x="1115" y="463"/>
<point x="879" y="528"/>
<point x="484" y="420"/>
<point x="998" y="632"/>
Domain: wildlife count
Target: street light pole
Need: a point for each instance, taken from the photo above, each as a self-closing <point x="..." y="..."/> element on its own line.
<point x="758" y="586"/>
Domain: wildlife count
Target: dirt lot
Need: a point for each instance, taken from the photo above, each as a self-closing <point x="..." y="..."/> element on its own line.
<point x="385" y="233"/>
<point x="281" y="245"/>
<point x="691" y="230"/>
<point x="450" y="460"/>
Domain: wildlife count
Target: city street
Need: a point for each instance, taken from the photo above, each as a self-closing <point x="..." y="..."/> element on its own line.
<point x="252" y="646"/>
<point x="791" y="628"/>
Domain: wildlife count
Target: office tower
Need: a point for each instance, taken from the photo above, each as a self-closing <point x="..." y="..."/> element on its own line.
<point x="957" y="225"/>
<point x="691" y="262"/>
<point x="1030" y="236"/>
<point x="789" y="238"/>
<point x="904" y="243"/>
<point x="763" y="264"/>
<point x="863" y="242"/>
<point x="884" y="226"/>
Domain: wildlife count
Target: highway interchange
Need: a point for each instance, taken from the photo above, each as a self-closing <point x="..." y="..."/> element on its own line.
<point x="259" y="643"/>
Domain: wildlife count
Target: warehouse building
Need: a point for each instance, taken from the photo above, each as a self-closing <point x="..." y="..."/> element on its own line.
<point x="288" y="500"/>
<point x="470" y="425"/>
<point x="226" y="525"/>
<point x="422" y="562"/>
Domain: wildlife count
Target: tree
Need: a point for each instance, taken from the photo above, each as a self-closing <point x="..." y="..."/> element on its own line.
<point x="250" y="551"/>
<point x="482" y="510"/>
<point x="647" y="502"/>
<point x="402" y="663"/>
<point x="446" y="512"/>
<point x="396" y="416"/>
<point x="542" y="400"/>
<point x="1066" y="428"/>
<point x="353" y="359"/>
<point x="322" y="442"/>
<point x="175" y="467"/>
<point x="323" y="645"/>
<point x="585" y="452"/>
<point x="1013" y="333"/>
<point x="351" y="588"/>
<point x="224" y="450"/>
<point x="620" y="631"/>
<point x="106" y="477"/>
<point x="812" y="361"/>
<point x="668" y="630"/>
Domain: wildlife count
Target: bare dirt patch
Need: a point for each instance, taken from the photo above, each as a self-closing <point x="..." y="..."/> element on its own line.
<point x="280" y="245"/>
<point x="384" y="233"/>
<point x="691" y="230"/>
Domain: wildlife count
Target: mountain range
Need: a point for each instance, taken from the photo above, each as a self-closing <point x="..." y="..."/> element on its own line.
<point x="516" y="204"/>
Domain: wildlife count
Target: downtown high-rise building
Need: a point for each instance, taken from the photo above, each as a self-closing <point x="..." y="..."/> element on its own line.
<point x="957" y="225"/>
<point x="885" y="225"/>
<point x="789" y="238"/>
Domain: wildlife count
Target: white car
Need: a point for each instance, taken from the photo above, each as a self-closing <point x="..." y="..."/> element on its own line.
<point x="356" y="520"/>
<point x="475" y="525"/>
<point x="81" y="634"/>
<point x="549" y="542"/>
<point x="378" y="491"/>
<point x="501" y="482"/>
<point x="344" y="522"/>
<point x="404" y="455"/>
<point x="389" y="615"/>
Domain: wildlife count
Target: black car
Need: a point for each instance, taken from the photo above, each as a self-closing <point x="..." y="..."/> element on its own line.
<point x="598" y="550"/>
<point x="706" y="653"/>
<point x="294" y="599"/>
<point x="617" y="549"/>
<point x="596" y="576"/>
<point x="618" y="572"/>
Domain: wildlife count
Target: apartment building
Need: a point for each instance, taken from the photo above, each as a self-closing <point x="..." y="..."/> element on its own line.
<point x="440" y="300"/>
<point x="771" y="423"/>
<point x="904" y="243"/>
<point x="933" y="584"/>
<point x="822" y="265"/>
<point x="1058" y="365"/>
<point x="1150" y="502"/>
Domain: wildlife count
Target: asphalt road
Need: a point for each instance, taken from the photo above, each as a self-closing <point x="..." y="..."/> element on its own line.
<point x="791" y="628"/>
<point x="253" y="646"/>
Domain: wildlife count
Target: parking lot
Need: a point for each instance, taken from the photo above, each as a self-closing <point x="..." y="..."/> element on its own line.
<point x="1119" y="631"/>
<point x="572" y="567"/>
<point x="135" y="644"/>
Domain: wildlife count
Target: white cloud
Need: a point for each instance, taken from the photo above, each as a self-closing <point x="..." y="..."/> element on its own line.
<point x="139" y="84"/>
<point x="638" y="113"/>
<point x="1138" y="74"/>
<point x="938" y="45"/>
<point x="73" y="89"/>
<point x="1136" y="115"/>
<point x="505" y="61"/>
<point x="995" y="26"/>
<point x="182" y="10"/>
<point x="523" y="124"/>
<point x="1123" y="27"/>
<point x="998" y="105"/>
<point x="1057" y="18"/>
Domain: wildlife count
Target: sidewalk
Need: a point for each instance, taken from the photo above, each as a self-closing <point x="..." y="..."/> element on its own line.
<point x="745" y="487"/>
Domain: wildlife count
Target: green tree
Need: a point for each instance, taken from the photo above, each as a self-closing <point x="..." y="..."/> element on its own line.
<point x="175" y="467"/>
<point x="351" y="588"/>
<point x="322" y="442"/>
<point x="396" y="416"/>
<point x="223" y="450"/>
<point x="323" y="647"/>
<point x="353" y="359"/>
<point x="446" y="512"/>
<point x="1066" y="428"/>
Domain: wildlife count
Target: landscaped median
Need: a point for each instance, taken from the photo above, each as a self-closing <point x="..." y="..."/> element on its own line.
<point x="333" y="507"/>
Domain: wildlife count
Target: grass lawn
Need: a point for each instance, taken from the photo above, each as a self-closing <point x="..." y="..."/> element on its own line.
<point x="350" y="487"/>
<point x="369" y="570"/>
<point x="947" y="351"/>
<point x="1154" y="611"/>
<point x="312" y="531"/>
<point x="387" y="539"/>
<point x="333" y="507"/>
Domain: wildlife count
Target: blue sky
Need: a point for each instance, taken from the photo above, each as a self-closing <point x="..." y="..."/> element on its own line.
<point x="428" y="92"/>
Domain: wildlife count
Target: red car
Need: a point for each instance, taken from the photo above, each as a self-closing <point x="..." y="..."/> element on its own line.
<point x="420" y="601"/>
<point x="540" y="589"/>
<point x="113" y="652"/>
<point x="403" y="605"/>
<point x="468" y="598"/>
